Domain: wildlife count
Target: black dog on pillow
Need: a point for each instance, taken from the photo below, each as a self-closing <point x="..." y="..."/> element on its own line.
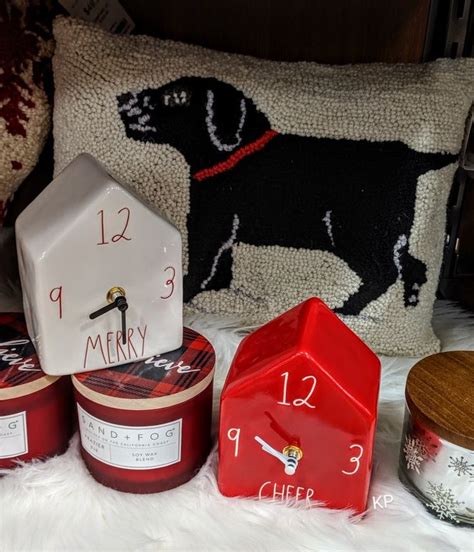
<point x="253" y="185"/>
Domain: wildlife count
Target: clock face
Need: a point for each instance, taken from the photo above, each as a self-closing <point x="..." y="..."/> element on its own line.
<point x="295" y="434"/>
<point x="113" y="252"/>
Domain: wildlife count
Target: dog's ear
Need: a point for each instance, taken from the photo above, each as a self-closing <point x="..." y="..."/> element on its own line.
<point x="226" y="114"/>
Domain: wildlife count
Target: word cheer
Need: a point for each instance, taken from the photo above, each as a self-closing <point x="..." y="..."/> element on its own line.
<point x="284" y="492"/>
<point x="108" y="348"/>
<point x="13" y="359"/>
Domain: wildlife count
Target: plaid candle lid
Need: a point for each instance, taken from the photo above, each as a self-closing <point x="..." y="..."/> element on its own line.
<point x="173" y="373"/>
<point x="20" y="370"/>
<point x="18" y="360"/>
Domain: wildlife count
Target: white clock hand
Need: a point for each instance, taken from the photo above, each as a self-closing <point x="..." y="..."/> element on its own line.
<point x="289" y="462"/>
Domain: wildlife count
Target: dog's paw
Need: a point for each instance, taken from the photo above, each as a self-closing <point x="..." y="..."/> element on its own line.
<point x="412" y="295"/>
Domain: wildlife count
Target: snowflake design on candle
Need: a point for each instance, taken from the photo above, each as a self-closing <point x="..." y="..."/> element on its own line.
<point x="415" y="453"/>
<point x="443" y="502"/>
<point x="460" y="466"/>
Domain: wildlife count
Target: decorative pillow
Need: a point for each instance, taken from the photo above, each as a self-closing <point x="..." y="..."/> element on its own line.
<point x="286" y="179"/>
<point x="26" y="46"/>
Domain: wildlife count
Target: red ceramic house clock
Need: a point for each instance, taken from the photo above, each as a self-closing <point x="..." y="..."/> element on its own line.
<point x="299" y="410"/>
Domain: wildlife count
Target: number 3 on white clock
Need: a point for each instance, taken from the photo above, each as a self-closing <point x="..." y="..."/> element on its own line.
<point x="234" y="435"/>
<point x="170" y="281"/>
<point x="355" y="459"/>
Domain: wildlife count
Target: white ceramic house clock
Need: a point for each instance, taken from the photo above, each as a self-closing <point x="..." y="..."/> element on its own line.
<point x="100" y="272"/>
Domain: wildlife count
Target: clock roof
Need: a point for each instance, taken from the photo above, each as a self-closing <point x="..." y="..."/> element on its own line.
<point x="62" y="204"/>
<point x="313" y="330"/>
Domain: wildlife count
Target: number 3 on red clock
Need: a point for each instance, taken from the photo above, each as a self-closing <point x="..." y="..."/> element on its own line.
<point x="355" y="460"/>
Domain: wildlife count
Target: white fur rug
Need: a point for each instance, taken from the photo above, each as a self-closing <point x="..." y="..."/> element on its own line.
<point x="56" y="505"/>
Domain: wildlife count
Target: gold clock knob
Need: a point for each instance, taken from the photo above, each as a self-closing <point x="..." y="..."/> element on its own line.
<point x="293" y="455"/>
<point x="115" y="292"/>
<point x="293" y="451"/>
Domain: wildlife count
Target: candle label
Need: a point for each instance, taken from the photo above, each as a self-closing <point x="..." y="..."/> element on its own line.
<point x="130" y="447"/>
<point x="13" y="435"/>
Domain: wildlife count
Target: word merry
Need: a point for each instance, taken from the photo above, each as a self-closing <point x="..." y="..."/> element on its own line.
<point x="168" y="365"/>
<point x="284" y="492"/>
<point x="14" y="359"/>
<point x="109" y="349"/>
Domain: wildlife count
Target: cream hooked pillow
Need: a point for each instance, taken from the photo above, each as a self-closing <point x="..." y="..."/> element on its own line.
<point x="287" y="180"/>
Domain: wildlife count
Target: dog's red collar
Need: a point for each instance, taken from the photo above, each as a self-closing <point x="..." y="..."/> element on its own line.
<point x="236" y="157"/>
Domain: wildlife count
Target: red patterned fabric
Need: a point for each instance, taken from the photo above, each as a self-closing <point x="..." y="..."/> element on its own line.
<point x="188" y="365"/>
<point x="19" y="363"/>
<point x="25" y="49"/>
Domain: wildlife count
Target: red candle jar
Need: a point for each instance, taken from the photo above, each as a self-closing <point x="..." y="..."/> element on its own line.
<point x="35" y="409"/>
<point x="145" y="426"/>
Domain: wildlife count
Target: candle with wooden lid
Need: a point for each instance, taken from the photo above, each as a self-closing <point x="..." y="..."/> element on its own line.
<point x="437" y="449"/>
<point x="35" y="409"/>
<point x="145" y="426"/>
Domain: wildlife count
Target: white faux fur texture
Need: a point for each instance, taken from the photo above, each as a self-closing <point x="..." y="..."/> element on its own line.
<point x="57" y="506"/>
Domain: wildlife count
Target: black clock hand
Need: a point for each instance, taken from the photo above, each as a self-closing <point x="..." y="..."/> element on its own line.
<point x="122" y="306"/>
<point x="124" y="328"/>
<point x="103" y="310"/>
<point x="119" y="303"/>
